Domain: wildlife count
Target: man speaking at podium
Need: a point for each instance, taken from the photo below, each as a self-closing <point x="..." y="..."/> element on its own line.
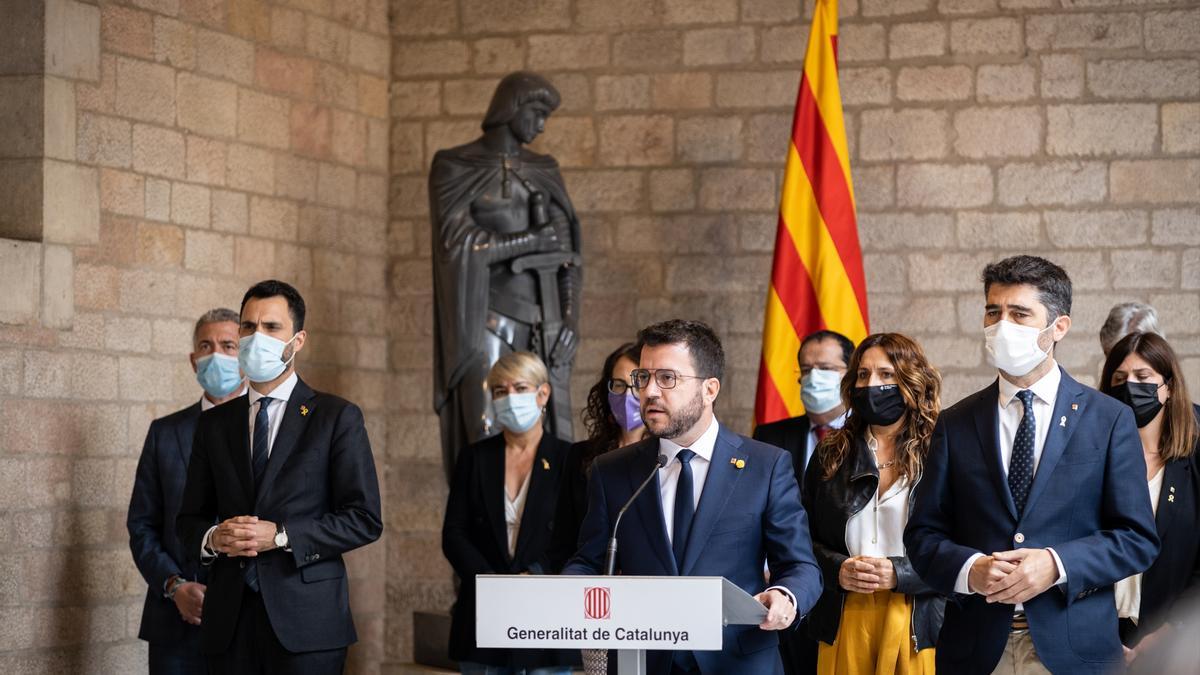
<point x="724" y="503"/>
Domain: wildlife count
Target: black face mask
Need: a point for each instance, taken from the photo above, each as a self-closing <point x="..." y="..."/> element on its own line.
<point x="881" y="405"/>
<point x="1142" y="397"/>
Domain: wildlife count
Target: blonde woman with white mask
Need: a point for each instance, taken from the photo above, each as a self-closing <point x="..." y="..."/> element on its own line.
<point x="500" y="512"/>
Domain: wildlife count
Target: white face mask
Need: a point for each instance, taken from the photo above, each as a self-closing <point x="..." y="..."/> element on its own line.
<point x="820" y="390"/>
<point x="1014" y="348"/>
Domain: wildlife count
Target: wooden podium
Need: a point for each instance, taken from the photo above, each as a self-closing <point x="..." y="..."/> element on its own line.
<point x="624" y="613"/>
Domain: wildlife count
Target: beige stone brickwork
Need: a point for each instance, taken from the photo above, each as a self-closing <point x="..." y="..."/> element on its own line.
<point x="977" y="129"/>
<point x="189" y="148"/>
<point x="195" y="146"/>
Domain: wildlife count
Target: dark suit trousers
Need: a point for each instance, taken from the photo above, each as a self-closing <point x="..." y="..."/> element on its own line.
<point x="178" y="658"/>
<point x="798" y="651"/>
<point x="255" y="650"/>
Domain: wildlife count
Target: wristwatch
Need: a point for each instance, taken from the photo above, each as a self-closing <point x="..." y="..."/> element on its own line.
<point x="173" y="586"/>
<point x="281" y="538"/>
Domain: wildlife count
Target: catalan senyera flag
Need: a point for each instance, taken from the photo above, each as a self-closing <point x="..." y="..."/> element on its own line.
<point x="817" y="279"/>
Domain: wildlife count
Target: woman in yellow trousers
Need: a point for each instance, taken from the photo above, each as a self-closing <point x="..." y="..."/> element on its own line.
<point x="875" y="615"/>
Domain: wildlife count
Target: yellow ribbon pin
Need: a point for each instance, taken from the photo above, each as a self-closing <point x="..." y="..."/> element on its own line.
<point x="545" y="464"/>
<point x="741" y="463"/>
<point x="303" y="411"/>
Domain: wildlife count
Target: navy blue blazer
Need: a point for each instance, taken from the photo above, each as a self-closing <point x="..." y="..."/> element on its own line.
<point x="153" y="506"/>
<point x="320" y="483"/>
<point x="745" y="516"/>
<point x="1088" y="502"/>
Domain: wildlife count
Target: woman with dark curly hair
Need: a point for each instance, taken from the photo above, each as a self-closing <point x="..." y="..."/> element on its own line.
<point x="875" y="614"/>
<point x="613" y="419"/>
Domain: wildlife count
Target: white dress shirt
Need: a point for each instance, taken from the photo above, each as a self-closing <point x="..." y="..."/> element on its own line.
<point x="877" y="531"/>
<point x="1128" y="591"/>
<point x="811" y="441"/>
<point x="279" y="398"/>
<point x="668" y="480"/>
<point x="1011" y="412"/>
<point x="668" y="477"/>
<point x="514" y="508"/>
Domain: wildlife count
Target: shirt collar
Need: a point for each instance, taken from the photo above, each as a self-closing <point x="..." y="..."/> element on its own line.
<point x="835" y="423"/>
<point x="206" y="404"/>
<point x="1045" y="389"/>
<point x="703" y="446"/>
<point x="281" y="393"/>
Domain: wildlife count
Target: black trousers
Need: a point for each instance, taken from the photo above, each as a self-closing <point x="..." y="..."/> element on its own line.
<point x="798" y="650"/>
<point x="255" y="650"/>
<point x="178" y="658"/>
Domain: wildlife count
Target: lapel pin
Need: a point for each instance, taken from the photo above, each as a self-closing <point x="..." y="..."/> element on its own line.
<point x="740" y="463"/>
<point x="304" y="411"/>
<point x="1172" y="488"/>
<point x="1063" y="422"/>
<point x="545" y="464"/>
<point x="1074" y="407"/>
<point x="1171" y="498"/>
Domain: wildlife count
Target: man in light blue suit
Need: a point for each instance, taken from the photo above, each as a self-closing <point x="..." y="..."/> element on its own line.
<point x="1033" y="501"/>
<point x="172" y="612"/>
<point x="723" y="503"/>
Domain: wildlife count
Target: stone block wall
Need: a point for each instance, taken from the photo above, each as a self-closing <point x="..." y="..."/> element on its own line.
<point x="977" y="128"/>
<point x="200" y="145"/>
<point x="222" y="142"/>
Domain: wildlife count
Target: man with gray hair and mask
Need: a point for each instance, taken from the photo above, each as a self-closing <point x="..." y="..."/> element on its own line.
<point x="172" y="614"/>
<point x="1126" y="318"/>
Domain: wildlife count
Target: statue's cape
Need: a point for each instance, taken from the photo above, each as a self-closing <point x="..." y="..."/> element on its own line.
<point x="460" y="273"/>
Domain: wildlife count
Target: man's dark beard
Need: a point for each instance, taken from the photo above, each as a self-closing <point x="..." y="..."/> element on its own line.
<point x="682" y="420"/>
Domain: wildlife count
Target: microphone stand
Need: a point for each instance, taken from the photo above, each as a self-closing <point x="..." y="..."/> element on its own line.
<point x="610" y="557"/>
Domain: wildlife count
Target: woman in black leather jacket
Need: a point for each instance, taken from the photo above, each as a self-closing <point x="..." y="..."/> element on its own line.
<point x="875" y="615"/>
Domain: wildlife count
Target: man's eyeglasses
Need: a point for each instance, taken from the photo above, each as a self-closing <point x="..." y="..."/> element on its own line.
<point x="664" y="378"/>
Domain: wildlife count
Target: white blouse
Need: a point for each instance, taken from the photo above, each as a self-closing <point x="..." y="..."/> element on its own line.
<point x="1128" y="591"/>
<point x="877" y="531"/>
<point x="514" y="508"/>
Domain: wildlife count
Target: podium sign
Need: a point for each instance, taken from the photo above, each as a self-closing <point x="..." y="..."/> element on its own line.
<point x="576" y="612"/>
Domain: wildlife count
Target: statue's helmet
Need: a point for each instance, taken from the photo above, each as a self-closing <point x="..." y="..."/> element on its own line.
<point x="516" y="90"/>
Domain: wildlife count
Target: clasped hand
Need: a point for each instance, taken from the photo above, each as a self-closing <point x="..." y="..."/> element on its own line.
<point x="243" y="536"/>
<point x="1013" y="577"/>
<point x="863" y="574"/>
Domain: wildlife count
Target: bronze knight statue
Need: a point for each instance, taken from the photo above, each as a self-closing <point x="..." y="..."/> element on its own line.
<point x="506" y="264"/>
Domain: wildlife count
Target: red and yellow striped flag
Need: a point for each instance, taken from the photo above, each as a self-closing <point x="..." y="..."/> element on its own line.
<point x="817" y="276"/>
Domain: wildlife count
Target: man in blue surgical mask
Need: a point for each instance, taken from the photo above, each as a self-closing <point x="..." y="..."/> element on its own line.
<point x="822" y="358"/>
<point x="171" y="615"/>
<point x="287" y="476"/>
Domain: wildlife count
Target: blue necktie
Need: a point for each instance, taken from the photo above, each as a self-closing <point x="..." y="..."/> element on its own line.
<point x="1020" y="464"/>
<point x="685" y="506"/>
<point x="258" y="463"/>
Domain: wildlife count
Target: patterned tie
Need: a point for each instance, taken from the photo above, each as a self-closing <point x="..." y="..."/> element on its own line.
<point x="258" y="462"/>
<point x="1020" y="464"/>
<point x="262" y="433"/>
<point x="685" y="505"/>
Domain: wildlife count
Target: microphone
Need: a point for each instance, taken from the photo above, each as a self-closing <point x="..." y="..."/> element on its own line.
<point x="610" y="558"/>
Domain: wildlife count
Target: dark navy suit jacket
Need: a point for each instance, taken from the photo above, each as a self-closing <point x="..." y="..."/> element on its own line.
<point x="1088" y="502"/>
<point x="745" y="516"/>
<point x="157" y="493"/>
<point x="320" y="483"/>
